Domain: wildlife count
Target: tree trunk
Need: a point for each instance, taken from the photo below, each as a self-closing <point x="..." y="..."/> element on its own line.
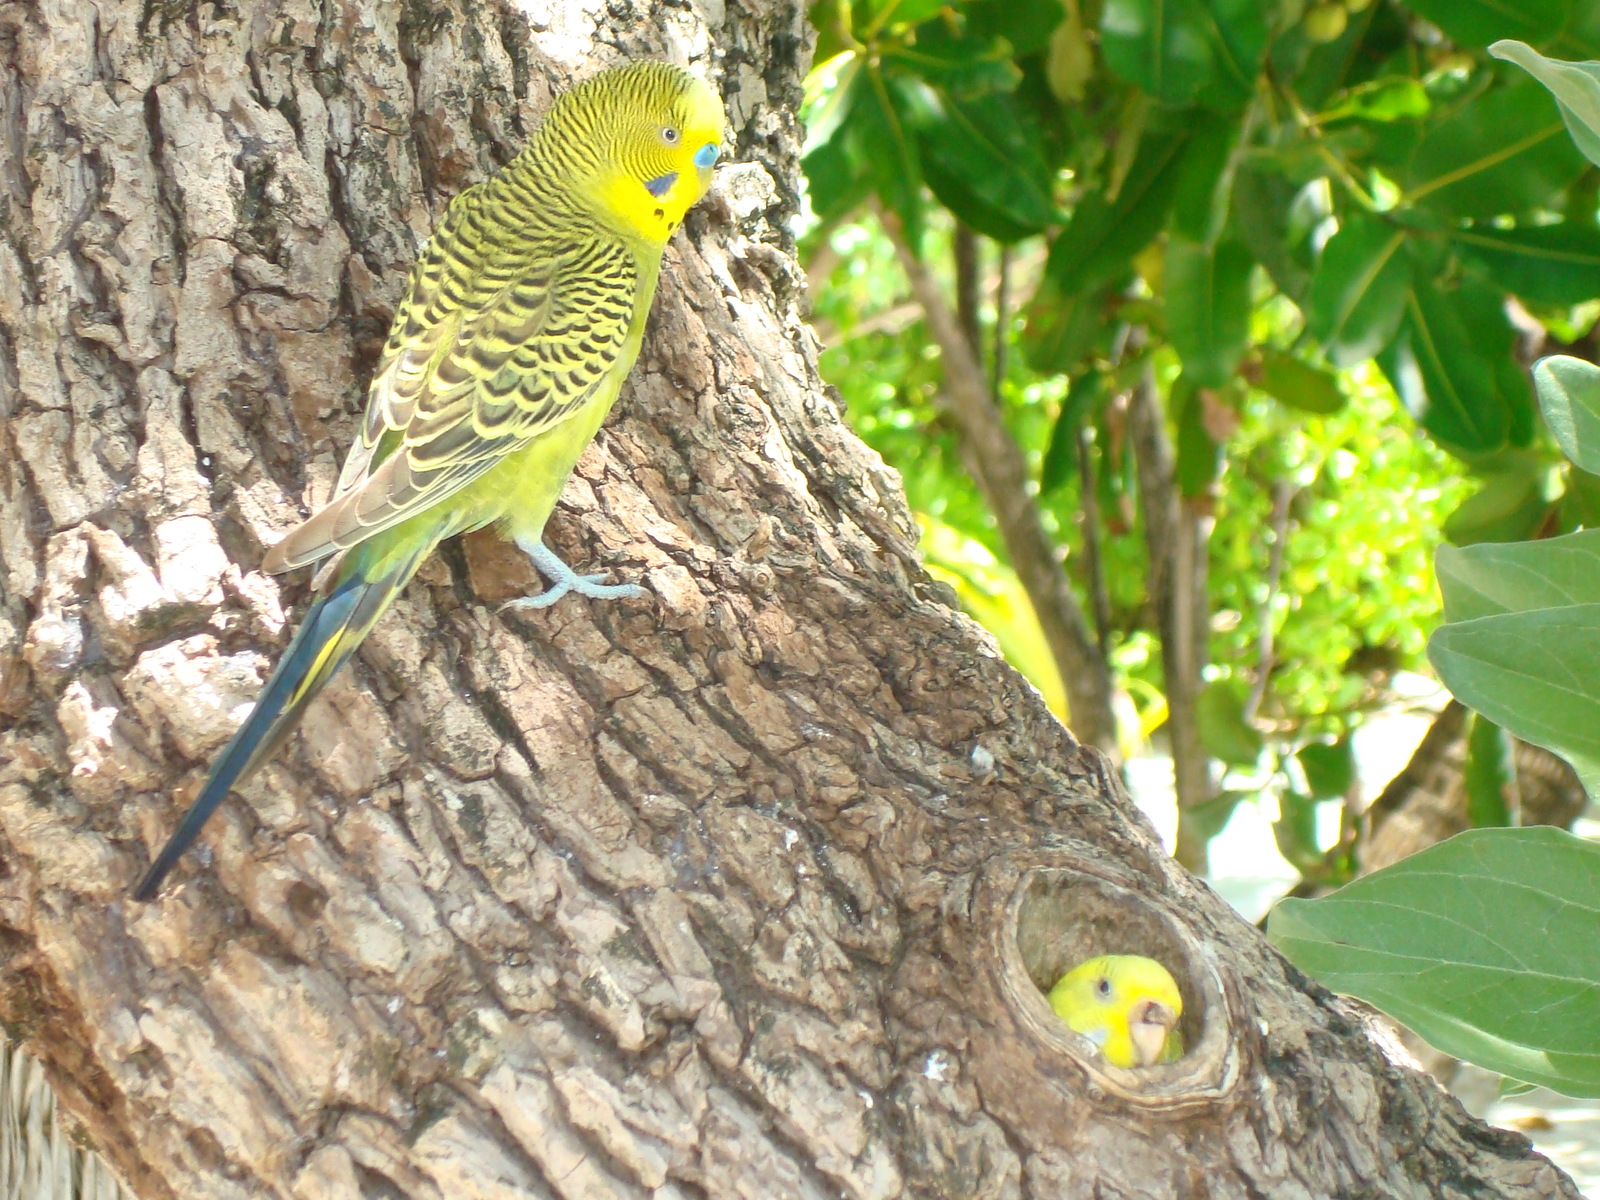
<point x="745" y="892"/>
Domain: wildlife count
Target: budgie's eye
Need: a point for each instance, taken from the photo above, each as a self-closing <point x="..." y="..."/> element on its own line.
<point x="706" y="155"/>
<point x="1102" y="988"/>
<point x="670" y="135"/>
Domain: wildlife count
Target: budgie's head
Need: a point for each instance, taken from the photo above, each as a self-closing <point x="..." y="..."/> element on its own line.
<point x="641" y="140"/>
<point x="1125" y="1004"/>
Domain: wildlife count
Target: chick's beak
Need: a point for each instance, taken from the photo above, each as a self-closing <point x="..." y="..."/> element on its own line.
<point x="1149" y="1025"/>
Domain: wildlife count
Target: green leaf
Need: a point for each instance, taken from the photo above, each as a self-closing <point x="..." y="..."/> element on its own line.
<point x="965" y="66"/>
<point x="1187" y="51"/>
<point x="1489" y="773"/>
<point x="1208" y="307"/>
<point x="1491" y="578"/>
<point x="1537" y="673"/>
<point x="1569" y="396"/>
<point x="1547" y="264"/>
<point x="983" y="163"/>
<point x="836" y="179"/>
<point x="1358" y="293"/>
<point x="1504" y="151"/>
<point x="1392" y="98"/>
<point x="1296" y="383"/>
<point x="1105" y="231"/>
<point x="1444" y="942"/>
<point x="1224" y="732"/>
<point x="1576" y="87"/>
<point x="1330" y="768"/>
<point x="882" y="122"/>
<point x="1295" y="831"/>
<point x="1061" y="456"/>
<point x="1205" y="181"/>
<point x="1442" y="370"/>
<point x="1261" y="205"/>
<point x="870" y="16"/>
<point x="1473" y="23"/>
<point x="1199" y="455"/>
<point x="1061" y="328"/>
<point x="1026" y="24"/>
<point x="1212" y="817"/>
<point x="827" y="114"/>
<point x="1510" y="506"/>
<point x="1580" y="505"/>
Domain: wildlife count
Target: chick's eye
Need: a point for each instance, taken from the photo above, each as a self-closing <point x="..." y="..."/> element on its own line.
<point x="1102" y="987"/>
<point x="670" y="136"/>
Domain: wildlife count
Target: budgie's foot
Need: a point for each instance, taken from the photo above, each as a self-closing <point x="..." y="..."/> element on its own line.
<point x="564" y="579"/>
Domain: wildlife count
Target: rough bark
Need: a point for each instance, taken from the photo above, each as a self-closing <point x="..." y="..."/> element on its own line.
<point x="745" y="892"/>
<point x="1427" y="801"/>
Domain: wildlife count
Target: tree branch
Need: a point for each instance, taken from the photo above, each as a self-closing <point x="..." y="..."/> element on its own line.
<point x="1176" y="552"/>
<point x="997" y="465"/>
<point x="1282" y="493"/>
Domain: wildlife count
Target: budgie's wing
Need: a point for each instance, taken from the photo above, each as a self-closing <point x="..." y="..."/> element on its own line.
<point x="480" y="362"/>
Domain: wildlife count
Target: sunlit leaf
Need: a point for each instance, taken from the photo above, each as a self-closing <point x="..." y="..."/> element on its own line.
<point x="889" y="147"/>
<point x="1569" y="395"/>
<point x="966" y="67"/>
<point x="982" y="161"/>
<point x="1199" y="450"/>
<point x="1025" y="24"/>
<point x="1441" y="942"/>
<point x="1393" y="98"/>
<point x="1061" y="455"/>
<point x="1205" y="180"/>
<point x="1295" y="830"/>
<point x="1576" y="87"/>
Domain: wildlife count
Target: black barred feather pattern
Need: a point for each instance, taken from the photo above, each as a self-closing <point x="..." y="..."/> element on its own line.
<point x="515" y="313"/>
<point x="520" y="320"/>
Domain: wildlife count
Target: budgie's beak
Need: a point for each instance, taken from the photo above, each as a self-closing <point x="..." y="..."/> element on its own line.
<point x="1149" y="1024"/>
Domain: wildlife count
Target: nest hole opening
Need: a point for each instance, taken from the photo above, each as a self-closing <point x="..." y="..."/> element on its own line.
<point x="1064" y="918"/>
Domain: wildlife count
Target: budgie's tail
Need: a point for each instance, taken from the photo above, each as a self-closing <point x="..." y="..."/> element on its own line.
<point x="367" y="581"/>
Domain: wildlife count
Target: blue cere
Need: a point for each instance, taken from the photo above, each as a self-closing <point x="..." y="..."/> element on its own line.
<point x="706" y="155"/>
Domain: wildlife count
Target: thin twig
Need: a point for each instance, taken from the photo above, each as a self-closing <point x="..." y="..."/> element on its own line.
<point x="1283" y="493"/>
<point x="1002" y="321"/>
<point x="1093" y="561"/>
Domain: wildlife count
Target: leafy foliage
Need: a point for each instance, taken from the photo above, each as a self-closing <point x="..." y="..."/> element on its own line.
<point x="1485" y="945"/>
<point x="1254" y="202"/>
<point x="1488" y="945"/>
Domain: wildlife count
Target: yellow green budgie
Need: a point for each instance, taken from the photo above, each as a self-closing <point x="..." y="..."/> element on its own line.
<point x="1126" y="1005"/>
<point x="520" y="322"/>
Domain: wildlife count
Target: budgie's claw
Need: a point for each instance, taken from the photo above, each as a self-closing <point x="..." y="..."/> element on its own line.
<point x="564" y="579"/>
